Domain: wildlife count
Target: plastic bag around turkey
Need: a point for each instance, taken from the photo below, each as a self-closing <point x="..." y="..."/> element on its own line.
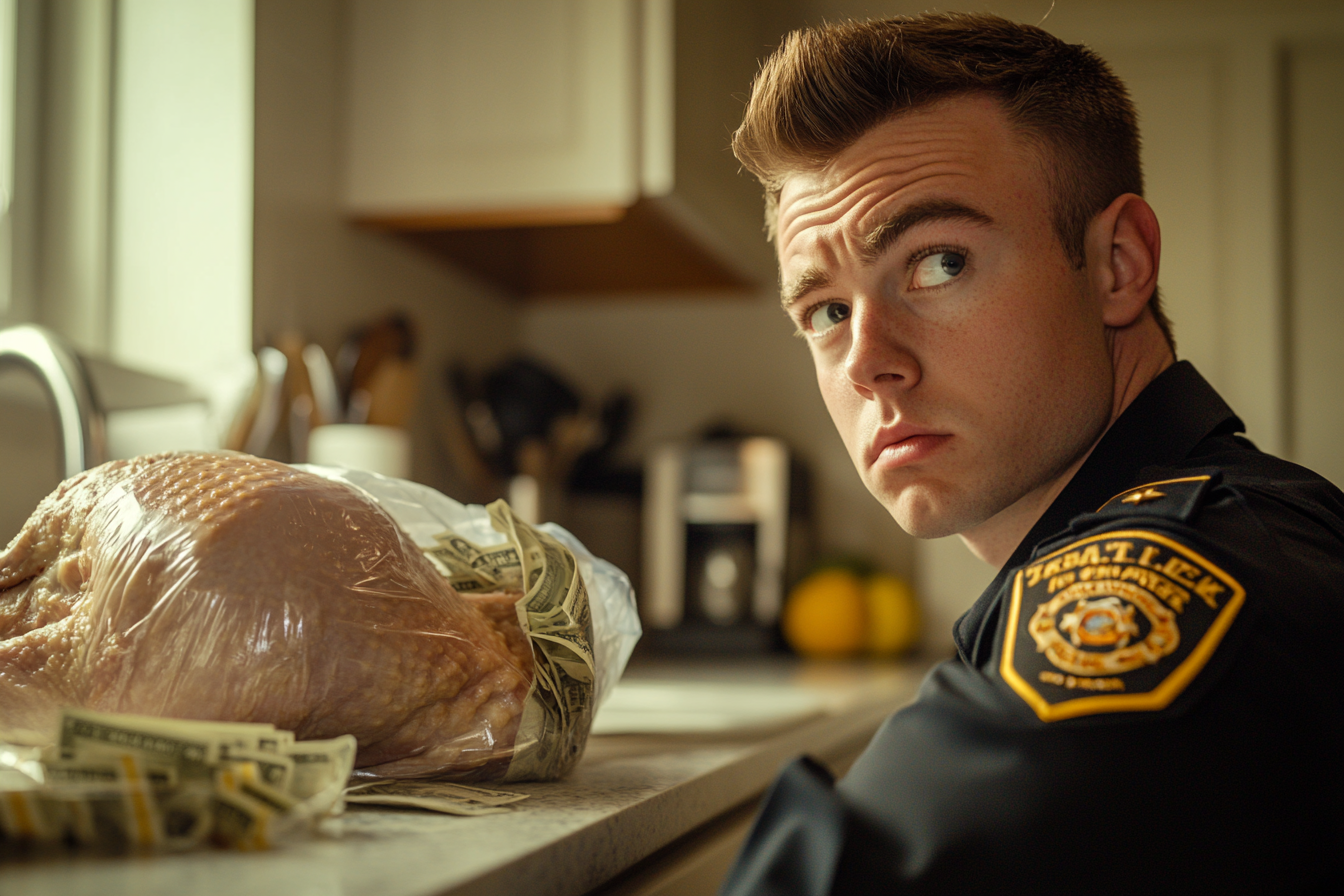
<point x="466" y="542"/>
<point x="220" y="586"/>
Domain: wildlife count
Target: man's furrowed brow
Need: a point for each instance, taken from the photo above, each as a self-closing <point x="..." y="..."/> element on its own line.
<point x="812" y="278"/>
<point x="881" y="237"/>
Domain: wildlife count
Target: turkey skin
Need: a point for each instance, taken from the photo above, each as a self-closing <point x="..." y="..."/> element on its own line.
<point x="227" y="587"/>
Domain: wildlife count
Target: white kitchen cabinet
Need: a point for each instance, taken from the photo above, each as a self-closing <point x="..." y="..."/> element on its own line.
<point x="556" y="145"/>
<point x="514" y="110"/>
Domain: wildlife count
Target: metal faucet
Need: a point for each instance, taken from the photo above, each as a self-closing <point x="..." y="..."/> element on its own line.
<point x="66" y="381"/>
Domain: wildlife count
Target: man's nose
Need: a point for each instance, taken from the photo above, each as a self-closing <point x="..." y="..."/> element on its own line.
<point x="880" y="357"/>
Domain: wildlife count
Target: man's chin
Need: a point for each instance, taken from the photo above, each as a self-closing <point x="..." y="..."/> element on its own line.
<point x="927" y="527"/>
<point x="923" y="515"/>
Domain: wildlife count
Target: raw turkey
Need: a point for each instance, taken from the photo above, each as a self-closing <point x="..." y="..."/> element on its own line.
<point x="223" y="586"/>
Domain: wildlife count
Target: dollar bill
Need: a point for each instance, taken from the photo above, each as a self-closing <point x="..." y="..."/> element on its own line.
<point x="191" y="751"/>
<point x="274" y="769"/>
<point x="28" y="816"/>
<point x="100" y="768"/>
<point x="245" y="778"/>
<point x="321" y="766"/>
<point x="117" y="780"/>
<point x="554" y="612"/>
<point x="242" y="822"/>
<point x="435" y="796"/>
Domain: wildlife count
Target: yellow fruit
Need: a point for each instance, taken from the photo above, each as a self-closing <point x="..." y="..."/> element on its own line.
<point x="893" y="615"/>
<point x="827" y="615"/>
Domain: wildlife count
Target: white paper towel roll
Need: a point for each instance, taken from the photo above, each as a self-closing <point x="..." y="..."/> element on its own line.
<point x="378" y="449"/>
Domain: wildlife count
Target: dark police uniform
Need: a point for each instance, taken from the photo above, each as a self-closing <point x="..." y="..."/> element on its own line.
<point x="1146" y="699"/>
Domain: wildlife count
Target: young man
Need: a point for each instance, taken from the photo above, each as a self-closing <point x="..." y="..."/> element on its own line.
<point x="1146" y="699"/>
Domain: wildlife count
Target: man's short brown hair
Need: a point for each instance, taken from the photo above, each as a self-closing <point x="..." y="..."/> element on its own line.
<point x="827" y="86"/>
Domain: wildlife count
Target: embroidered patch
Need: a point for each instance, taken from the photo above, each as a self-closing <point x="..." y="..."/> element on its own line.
<point x="1118" y="622"/>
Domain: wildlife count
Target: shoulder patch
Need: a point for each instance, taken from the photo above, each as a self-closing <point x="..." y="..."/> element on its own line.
<point x="1117" y="622"/>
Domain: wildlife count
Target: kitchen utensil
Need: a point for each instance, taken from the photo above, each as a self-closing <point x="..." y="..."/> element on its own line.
<point x="457" y="439"/>
<point x="525" y="399"/>
<point x="364" y="351"/>
<point x="326" y="397"/>
<point x="360" y="402"/>
<point x="301" y="416"/>
<point x="246" y="418"/>
<point x="271" y="367"/>
<point x="392" y="392"/>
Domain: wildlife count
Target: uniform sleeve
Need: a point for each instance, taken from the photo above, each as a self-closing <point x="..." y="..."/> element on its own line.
<point x="961" y="793"/>
<point x="796" y="839"/>
<point x="1159" y="714"/>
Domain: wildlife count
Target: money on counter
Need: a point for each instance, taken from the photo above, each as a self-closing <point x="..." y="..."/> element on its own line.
<point x="436" y="796"/>
<point x="124" y="781"/>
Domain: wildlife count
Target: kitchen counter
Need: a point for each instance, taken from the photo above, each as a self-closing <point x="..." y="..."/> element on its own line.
<point x="633" y="796"/>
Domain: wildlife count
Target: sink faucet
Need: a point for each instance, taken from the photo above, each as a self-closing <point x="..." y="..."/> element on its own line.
<point x="66" y="382"/>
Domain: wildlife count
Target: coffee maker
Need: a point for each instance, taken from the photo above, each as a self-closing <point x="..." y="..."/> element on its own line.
<point x="724" y="520"/>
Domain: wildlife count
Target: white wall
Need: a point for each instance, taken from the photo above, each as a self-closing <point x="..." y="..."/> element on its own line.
<point x="181" y="279"/>
<point x="317" y="275"/>
<point x="694" y="360"/>
<point x="1315" y="270"/>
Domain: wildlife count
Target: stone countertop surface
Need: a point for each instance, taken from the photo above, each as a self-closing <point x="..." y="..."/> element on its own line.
<point x="630" y="796"/>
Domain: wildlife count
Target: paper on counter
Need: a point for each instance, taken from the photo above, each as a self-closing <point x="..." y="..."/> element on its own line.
<point x="691" y="707"/>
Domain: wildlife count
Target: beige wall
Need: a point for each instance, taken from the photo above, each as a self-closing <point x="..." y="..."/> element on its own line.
<point x="179" y="282"/>
<point x="314" y="273"/>
<point x="693" y="361"/>
<point x="1315" y="269"/>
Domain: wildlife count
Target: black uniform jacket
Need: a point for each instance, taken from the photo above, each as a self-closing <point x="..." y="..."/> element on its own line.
<point x="1147" y="699"/>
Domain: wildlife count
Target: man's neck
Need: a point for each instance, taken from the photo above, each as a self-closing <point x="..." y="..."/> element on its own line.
<point x="1139" y="354"/>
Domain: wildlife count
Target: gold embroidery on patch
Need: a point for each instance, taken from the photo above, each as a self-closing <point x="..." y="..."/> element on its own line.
<point x="1073" y="682"/>
<point x="1101" y="619"/>
<point x="1148" y="494"/>
<point x="1130" y="492"/>
<point x="1088" y="629"/>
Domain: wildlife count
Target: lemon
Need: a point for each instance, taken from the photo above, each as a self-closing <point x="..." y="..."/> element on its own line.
<point x="827" y="614"/>
<point x="893" y="615"/>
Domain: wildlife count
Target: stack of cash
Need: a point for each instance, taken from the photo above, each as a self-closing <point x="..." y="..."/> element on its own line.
<point x="125" y="781"/>
<point x="554" y="612"/>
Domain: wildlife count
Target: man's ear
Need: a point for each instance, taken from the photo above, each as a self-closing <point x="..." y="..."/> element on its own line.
<point x="1124" y="247"/>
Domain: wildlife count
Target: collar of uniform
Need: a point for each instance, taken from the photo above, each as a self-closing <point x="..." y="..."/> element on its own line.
<point x="1173" y="414"/>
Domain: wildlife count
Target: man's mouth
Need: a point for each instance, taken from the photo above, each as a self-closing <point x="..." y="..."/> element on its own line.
<point x="903" y="444"/>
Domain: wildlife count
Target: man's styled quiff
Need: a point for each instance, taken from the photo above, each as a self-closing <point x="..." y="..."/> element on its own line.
<point x="826" y="87"/>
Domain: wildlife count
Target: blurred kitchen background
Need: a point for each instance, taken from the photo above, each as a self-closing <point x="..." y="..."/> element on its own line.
<point x="535" y="198"/>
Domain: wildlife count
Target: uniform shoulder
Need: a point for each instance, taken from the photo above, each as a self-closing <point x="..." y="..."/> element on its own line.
<point x="1138" y="598"/>
<point x="1275" y="496"/>
<point x="1271" y="483"/>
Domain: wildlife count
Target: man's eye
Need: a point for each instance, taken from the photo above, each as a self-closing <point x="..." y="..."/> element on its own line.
<point x="827" y="315"/>
<point x="937" y="268"/>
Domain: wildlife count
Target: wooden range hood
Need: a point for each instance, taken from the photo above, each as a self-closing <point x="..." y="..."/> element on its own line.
<point x="574" y="250"/>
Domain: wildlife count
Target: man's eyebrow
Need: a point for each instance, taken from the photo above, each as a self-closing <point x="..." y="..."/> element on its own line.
<point x="881" y="237"/>
<point x="812" y="278"/>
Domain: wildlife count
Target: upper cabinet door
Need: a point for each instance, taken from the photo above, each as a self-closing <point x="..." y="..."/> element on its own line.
<point x="525" y="109"/>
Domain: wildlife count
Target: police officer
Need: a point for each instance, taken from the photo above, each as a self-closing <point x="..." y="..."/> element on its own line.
<point x="1147" y="698"/>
